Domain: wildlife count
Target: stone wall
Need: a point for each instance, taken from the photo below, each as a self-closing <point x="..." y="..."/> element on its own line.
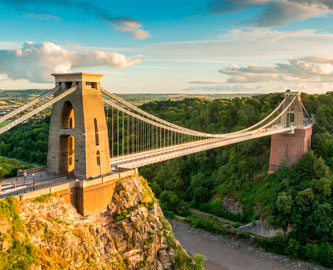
<point x="289" y="147"/>
<point x="95" y="197"/>
<point x="261" y="228"/>
<point x="87" y="196"/>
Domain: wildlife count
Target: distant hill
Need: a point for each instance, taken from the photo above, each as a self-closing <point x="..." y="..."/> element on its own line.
<point x="139" y="99"/>
<point x="19" y="97"/>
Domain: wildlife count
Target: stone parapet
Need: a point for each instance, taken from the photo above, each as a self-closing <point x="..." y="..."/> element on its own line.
<point x="87" y="196"/>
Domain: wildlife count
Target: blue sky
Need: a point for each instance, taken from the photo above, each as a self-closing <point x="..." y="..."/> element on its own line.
<point x="192" y="46"/>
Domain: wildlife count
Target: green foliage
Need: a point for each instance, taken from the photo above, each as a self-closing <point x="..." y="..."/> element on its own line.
<point x="199" y="260"/>
<point x="28" y="142"/>
<point x="10" y="166"/>
<point x="196" y="180"/>
<point x="122" y="214"/>
<point x="43" y="198"/>
<point x="298" y="197"/>
<point x="277" y="244"/>
<point x="319" y="254"/>
<point x="20" y="254"/>
<point x="183" y="261"/>
<point x="2" y="124"/>
<point x="214" y="207"/>
<point x="326" y="254"/>
<point x="206" y="225"/>
<point x="284" y="203"/>
<point x="303" y="200"/>
<point x="19" y="95"/>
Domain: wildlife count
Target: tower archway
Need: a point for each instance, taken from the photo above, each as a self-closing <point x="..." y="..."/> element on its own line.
<point x="66" y="154"/>
<point x="67" y="116"/>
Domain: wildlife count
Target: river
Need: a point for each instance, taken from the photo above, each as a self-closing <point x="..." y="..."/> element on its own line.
<point x="225" y="254"/>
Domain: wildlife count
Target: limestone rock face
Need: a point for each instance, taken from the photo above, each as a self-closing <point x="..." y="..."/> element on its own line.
<point x="131" y="234"/>
<point x="232" y="205"/>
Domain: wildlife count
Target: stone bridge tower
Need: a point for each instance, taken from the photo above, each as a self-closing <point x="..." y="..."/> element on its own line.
<point x="290" y="147"/>
<point x="78" y="138"/>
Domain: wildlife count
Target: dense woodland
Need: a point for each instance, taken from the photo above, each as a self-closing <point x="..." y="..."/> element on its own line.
<point x="299" y="196"/>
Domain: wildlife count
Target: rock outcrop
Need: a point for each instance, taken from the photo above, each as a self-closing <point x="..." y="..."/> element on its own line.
<point x="262" y="228"/>
<point x="232" y="205"/>
<point x="131" y="234"/>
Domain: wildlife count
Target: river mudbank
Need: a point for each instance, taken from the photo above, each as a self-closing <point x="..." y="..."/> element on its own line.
<point x="223" y="253"/>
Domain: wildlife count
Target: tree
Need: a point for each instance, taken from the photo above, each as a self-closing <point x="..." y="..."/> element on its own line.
<point x="305" y="197"/>
<point x="199" y="261"/>
<point x="284" y="203"/>
<point x="324" y="186"/>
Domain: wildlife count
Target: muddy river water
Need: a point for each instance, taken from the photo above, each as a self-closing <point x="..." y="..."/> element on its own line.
<point x="224" y="254"/>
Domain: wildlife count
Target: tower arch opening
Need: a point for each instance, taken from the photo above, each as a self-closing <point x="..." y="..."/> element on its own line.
<point x="67" y="116"/>
<point x="67" y="154"/>
<point x="98" y="158"/>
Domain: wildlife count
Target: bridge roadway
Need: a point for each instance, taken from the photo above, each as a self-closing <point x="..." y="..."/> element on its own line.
<point x="40" y="180"/>
<point x="165" y="153"/>
<point x="20" y="185"/>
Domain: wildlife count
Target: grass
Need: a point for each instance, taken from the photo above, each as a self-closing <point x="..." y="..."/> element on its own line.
<point x="2" y="124"/>
<point x="43" y="198"/>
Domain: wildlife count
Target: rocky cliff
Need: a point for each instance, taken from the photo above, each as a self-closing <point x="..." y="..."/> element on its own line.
<point x="132" y="233"/>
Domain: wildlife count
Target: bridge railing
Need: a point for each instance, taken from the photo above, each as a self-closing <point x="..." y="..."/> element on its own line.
<point x="26" y="186"/>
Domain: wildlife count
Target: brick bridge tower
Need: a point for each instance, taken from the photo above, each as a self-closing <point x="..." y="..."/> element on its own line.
<point x="290" y="147"/>
<point x="78" y="138"/>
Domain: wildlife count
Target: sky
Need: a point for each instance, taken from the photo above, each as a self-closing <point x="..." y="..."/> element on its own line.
<point x="184" y="46"/>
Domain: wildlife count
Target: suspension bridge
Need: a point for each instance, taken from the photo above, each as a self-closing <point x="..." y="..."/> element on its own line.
<point x="95" y="134"/>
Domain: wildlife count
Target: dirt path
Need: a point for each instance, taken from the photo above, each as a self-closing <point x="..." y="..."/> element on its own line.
<point x="226" y="254"/>
<point x="208" y="216"/>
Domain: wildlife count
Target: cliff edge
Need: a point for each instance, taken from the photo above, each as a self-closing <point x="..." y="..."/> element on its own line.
<point x="132" y="233"/>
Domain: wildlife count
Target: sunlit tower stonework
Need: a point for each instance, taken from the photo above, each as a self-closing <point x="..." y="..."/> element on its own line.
<point x="288" y="148"/>
<point x="78" y="139"/>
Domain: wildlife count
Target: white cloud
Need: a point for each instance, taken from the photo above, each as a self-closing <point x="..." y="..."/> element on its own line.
<point x="275" y="12"/>
<point x="220" y="88"/>
<point x="280" y="12"/>
<point x="296" y="70"/>
<point x="132" y="27"/>
<point x="6" y="45"/>
<point x="227" y="6"/>
<point x="35" y="62"/>
<point x="44" y="16"/>
<point x="311" y="73"/>
<point x="206" y="82"/>
<point x="236" y="53"/>
<point x="3" y="77"/>
<point x="318" y="59"/>
<point x="324" y="3"/>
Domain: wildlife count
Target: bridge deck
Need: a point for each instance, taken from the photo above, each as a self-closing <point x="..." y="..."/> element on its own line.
<point x="162" y="154"/>
<point x="20" y="185"/>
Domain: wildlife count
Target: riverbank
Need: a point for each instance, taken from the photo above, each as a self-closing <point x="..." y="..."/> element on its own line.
<point x="223" y="253"/>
